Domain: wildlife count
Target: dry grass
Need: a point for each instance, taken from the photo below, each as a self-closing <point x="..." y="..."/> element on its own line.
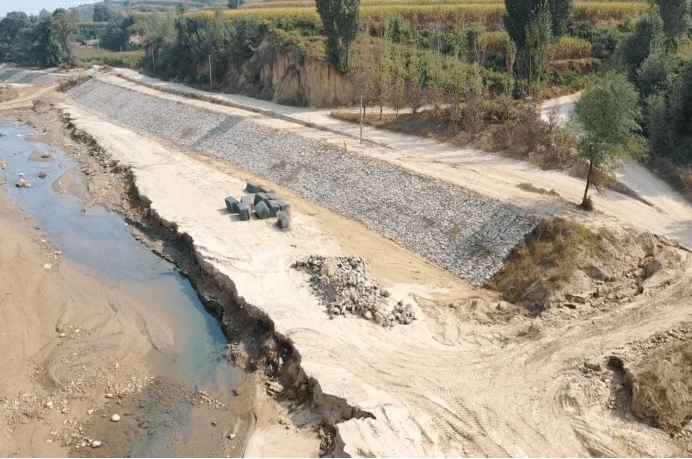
<point x="493" y="125"/>
<point x="664" y="379"/>
<point x="552" y="251"/>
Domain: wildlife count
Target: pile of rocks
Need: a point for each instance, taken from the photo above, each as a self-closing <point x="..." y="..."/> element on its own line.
<point x="265" y="202"/>
<point x="344" y="285"/>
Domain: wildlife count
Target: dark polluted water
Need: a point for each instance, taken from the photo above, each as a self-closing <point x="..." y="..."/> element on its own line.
<point x="98" y="242"/>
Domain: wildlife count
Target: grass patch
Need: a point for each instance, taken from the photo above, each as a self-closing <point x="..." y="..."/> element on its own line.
<point x="129" y="59"/>
<point x="664" y="380"/>
<point x="552" y="250"/>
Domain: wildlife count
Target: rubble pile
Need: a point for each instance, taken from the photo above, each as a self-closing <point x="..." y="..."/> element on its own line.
<point x="344" y="286"/>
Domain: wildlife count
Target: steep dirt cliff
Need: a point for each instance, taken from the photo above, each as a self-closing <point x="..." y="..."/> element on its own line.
<point x="283" y="75"/>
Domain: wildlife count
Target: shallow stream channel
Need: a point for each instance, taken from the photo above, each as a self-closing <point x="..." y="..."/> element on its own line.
<point x="167" y="418"/>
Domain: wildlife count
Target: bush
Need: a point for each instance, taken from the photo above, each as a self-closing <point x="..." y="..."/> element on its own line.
<point x="669" y="120"/>
<point x="634" y="50"/>
<point x="570" y="48"/>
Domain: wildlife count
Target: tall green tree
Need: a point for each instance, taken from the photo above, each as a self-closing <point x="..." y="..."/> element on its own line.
<point x="560" y="15"/>
<point x="676" y="17"/>
<point x="634" y="50"/>
<point x="538" y="39"/>
<point x="529" y="25"/>
<point x="235" y="4"/>
<point x="64" y="25"/>
<point x="13" y="29"/>
<point x="102" y="13"/>
<point x="669" y="120"/>
<point x="607" y="117"/>
<point x="341" y="20"/>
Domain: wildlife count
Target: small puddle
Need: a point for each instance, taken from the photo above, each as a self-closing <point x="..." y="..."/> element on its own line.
<point x="190" y="343"/>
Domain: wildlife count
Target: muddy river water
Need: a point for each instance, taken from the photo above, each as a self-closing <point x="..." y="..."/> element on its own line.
<point x="189" y="343"/>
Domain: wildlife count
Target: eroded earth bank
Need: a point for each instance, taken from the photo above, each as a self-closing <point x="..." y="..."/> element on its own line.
<point x="366" y="321"/>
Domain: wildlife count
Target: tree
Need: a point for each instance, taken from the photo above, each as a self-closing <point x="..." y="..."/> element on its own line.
<point x="341" y="19"/>
<point x="560" y="13"/>
<point x="45" y="49"/>
<point x="669" y="119"/>
<point x="63" y="25"/>
<point x="538" y="40"/>
<point x="634" y="50"/>
<point x="676" y="18"/>
<point x="528" y="23"/>
<point x="102" y="13"/>
<point x="13" y="28"/>
<point x="235" y="4"/>
<point x="607" y="118"/>
<point x="116" y="35"/>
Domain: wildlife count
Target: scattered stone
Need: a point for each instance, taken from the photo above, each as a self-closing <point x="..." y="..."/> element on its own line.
<point x="232" y="205"/>
<point x="46" y="266"/>
<point x="109" y="395"/>
<point x="283" y="205"/>
<point x="253" y="187"/>
<point x="115" y="418"/>
<point x="213" y="423"/>
<point x="593" y="364"/>
<point x="244" y="212"/>
<point x="22" y="183"/>
<point x="231" y="436"/>
<point x="275" y="387"/>
<point x="284" y="218"/>
<point x="90" y="412"/>
<point x="273" y="208"/>
<point x="3" y="180"/>
<point x="262" y="209"/>
<point x="260" y="197"/>
<point x="42" y="175"/>
<point x="95" y="444"/>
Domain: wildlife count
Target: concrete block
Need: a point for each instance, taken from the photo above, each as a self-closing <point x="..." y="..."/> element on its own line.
<point x="244" y="211"/>
<point x="266" y="189"/>
<point x="259" y="197"/>
<point x="284" y="218"/>
<point x="252" y="187"/>
<point x="248" y="199"/>
<point x="262" y="210"/>
<point x="273" y="208"/>
<point x="273" y="196"/>
<point x="283" y="205"/>
<point x="232" y="205"/>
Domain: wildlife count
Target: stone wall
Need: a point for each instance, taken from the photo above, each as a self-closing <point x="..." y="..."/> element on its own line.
<point x="458" y="229"/>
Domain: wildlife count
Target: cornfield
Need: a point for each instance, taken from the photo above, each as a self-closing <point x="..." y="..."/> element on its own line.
<point x="425" y="11"/>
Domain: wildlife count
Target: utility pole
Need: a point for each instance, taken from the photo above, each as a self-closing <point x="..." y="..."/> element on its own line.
<point x="211" y="86"/>
<point x="361" y="119"/>
<point x="98" y="48"/>
<point x="153" y="59"/>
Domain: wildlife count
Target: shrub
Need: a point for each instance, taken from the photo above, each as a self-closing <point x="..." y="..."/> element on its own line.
<point x="570" y="48"/>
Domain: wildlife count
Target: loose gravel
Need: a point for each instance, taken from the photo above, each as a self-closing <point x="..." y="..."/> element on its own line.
<point x="460" y="230"/>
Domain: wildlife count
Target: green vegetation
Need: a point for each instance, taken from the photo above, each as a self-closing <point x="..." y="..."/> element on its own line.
<point x="607" y="116"/>
<point x="130" y="59"/>
<point x="341" y="19"/>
